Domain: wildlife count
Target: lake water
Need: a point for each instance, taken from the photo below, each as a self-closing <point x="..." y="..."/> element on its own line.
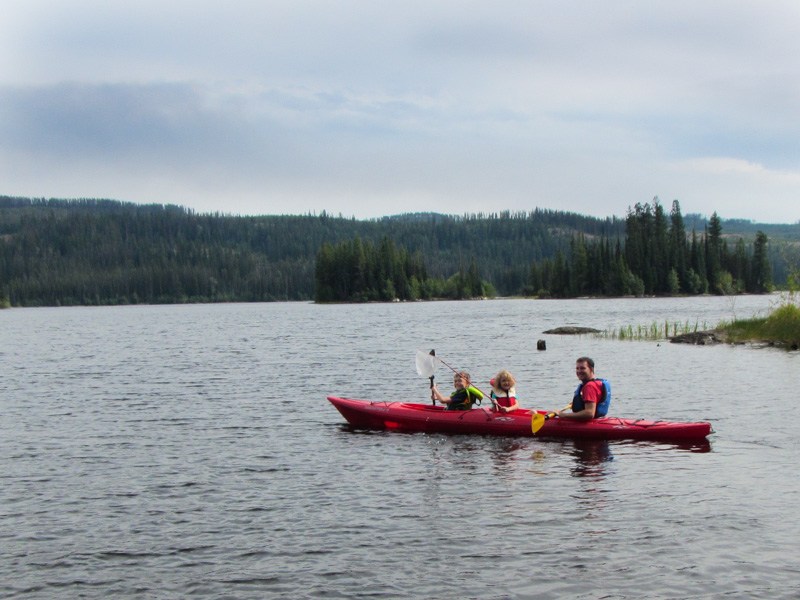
<point x="189" y="451"/>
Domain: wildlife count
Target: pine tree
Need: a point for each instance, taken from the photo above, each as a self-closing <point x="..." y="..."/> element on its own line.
<point x="714" y="252"/>
<point x="678" y="247"/>
<point x="761" y="273"/>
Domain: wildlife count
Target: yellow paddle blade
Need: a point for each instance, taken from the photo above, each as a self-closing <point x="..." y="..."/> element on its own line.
<point x="537" y="422"/>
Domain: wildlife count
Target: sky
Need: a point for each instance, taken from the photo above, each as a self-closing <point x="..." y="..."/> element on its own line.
<point x="374" y="108"/>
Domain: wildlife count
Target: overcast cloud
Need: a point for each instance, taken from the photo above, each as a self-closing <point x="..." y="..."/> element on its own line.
<point x="377" y="108"/>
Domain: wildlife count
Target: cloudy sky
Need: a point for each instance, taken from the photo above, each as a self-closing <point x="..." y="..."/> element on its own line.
<point x="371" y="108"/>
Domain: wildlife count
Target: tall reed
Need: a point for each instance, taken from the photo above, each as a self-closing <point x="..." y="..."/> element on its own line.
<point x="655" y="331"/>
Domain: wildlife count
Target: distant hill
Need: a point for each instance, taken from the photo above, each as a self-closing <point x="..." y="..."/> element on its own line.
<point x="748" y="229"/>
<point x="101" y="251"/>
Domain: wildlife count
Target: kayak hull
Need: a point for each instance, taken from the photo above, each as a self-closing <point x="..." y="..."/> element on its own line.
<point x="411" y="417"/>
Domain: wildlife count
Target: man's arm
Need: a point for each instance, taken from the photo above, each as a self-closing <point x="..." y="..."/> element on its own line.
<point x="587" y="414"/>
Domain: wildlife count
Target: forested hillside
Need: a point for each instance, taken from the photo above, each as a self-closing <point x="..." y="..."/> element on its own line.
<point x="62" y="252"/>
<point x="58" y="252"/>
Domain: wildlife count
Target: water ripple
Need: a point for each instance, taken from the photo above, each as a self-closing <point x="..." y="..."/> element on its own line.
<point x="189" y="451"/>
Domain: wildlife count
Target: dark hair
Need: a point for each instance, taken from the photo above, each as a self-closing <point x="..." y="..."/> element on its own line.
<point x="587" y="360"/>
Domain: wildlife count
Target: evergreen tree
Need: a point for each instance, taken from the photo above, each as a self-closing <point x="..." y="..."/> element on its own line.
<point x="761" y="276"/>
<point x="698" y="281"/>
<point x="660" y="252"/>
<point x="713" y="253"/>
<point x="678" y="247"/>
<point x="739" y="267"/>
<point x="579" y="271"/>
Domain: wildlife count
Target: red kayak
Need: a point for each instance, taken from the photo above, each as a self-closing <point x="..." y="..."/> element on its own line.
<point x="406" y="416"/>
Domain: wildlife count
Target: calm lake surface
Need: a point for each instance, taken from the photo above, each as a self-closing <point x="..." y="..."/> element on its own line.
<point x="189" y="451"/>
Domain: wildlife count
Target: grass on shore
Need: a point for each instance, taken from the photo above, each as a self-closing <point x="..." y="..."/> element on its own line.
<point x="781" y="326"/>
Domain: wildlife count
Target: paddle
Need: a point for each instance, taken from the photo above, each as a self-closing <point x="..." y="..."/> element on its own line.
<point x="426" y="367"/>
<point x="538" y="419"/>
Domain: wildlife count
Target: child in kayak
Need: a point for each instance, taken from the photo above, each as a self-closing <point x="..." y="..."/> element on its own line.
<point x="464" y="395"/>
<point x="504" y="392"/>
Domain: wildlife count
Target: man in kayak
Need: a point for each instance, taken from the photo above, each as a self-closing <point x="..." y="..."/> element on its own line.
<point x="593" y="396"/>
<point x="463" y="396"/>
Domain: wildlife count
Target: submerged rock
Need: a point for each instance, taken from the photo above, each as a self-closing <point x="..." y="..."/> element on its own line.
<point x="700" y="338"/>
<point x="571" y="330"/>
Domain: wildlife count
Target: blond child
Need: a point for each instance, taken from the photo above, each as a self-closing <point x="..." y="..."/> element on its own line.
<point x="504" y="392"/>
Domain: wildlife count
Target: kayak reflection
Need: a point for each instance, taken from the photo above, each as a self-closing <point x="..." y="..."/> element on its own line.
<point x="591" y="458"/>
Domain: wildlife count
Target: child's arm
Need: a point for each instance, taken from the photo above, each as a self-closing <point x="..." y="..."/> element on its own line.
<point x="437" y="395"/>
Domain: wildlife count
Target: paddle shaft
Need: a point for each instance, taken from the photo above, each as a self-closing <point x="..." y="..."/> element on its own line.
<point x="433" y="398"/>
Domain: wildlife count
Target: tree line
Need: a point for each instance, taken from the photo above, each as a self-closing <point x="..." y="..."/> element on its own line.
<point x="95" y="251"/>
<point x="656" y="257"/>
<point x="359" y="271"/>
<point x="98" y="251"/>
